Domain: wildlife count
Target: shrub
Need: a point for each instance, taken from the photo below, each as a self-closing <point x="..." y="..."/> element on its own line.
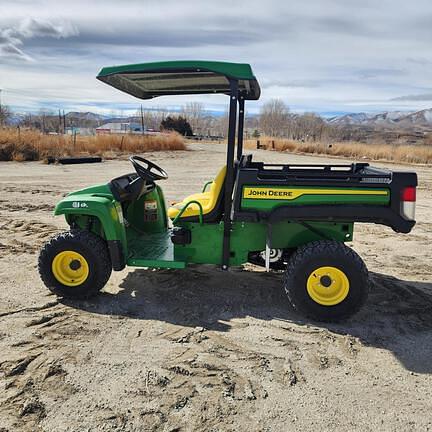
<point x="28" y="145"/>
<point x="354" y="150"/>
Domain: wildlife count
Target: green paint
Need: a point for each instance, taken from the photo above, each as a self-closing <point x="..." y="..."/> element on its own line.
<point x="96" y="202"/>
<point x="154" y="263"/>
<point x="148" y="213"/>
<point x="152" y="250"/>
<point x="149" y="80"/>
<point x="206" y="246"/>
<point x="233" y="70"/>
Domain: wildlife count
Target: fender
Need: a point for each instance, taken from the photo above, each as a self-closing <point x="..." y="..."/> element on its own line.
<point x="108" y="212"/>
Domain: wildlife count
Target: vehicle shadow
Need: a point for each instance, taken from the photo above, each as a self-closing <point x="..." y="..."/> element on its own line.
<point x="397" y="316"/>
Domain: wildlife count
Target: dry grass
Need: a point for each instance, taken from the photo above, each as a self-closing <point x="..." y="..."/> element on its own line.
<point x="355" y="150"/>
<point x="31" y="145"/>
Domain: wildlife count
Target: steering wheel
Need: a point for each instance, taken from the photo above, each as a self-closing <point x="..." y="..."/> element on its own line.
<point x="147" y="170"/>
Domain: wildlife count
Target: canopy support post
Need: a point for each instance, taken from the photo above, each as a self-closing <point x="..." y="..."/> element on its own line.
<point x="229" y="180"/>
<point x="241" y="102"/>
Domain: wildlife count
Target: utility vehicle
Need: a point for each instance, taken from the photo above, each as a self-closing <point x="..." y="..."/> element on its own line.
<point x="281" y="216"/>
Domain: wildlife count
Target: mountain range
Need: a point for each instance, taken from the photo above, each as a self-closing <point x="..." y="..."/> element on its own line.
<point x="385" y="120"/>
<point x="403" y="119"/>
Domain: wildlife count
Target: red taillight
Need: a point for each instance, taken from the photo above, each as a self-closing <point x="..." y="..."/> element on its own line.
<point x="409" y="194"/>
<point x="408" y="202"/>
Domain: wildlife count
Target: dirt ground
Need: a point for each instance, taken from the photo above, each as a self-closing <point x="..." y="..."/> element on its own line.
<point x="201" y="349"/>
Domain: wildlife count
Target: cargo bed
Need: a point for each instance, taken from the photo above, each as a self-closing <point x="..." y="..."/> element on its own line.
<point x="353" y="192"/>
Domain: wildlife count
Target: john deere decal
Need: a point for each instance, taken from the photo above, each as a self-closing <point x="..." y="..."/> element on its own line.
<point x="291" y="193"/>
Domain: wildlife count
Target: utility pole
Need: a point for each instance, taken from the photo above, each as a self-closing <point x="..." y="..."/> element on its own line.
<point x="142" y="121"/>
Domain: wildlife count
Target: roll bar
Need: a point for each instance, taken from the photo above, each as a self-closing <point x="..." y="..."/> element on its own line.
<point x="236" y="98"/>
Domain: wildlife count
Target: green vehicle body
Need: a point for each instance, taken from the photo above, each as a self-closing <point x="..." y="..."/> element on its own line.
<point x="145" y="242"/>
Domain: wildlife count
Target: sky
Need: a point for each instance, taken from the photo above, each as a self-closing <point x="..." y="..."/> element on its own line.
<point x="325" y="56"/>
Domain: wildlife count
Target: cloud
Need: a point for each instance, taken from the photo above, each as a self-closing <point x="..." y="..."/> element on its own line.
<point x="31" y="28"/>
<point x="419" y="61"/>
<point x="12" y="51"/>
<point x="289" y="83"/>
<point x="12" y="38"/>
<point x="157" y="36"/>
<point x="411" y="98"/>
<point x="380" y="73"/>
<point x="323" y="55"/>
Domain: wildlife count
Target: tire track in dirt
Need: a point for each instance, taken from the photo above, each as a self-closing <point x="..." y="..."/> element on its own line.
<point x="209" y="375"/>
<point x="26" y="207"/>
<point x="35" y="373"/>
<point x="32" y="190"/>
<point x="21" y="236"/>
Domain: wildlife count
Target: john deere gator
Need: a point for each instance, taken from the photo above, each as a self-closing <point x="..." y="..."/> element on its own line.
<point x="290" y="217"/>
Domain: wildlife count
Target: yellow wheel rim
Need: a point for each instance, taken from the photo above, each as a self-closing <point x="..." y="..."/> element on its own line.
<point x="70" y="268"/>
<point x="328" y="286"/>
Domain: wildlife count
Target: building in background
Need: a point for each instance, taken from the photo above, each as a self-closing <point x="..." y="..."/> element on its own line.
<point x="73" y="130"/>
<point x="119" y="128"/>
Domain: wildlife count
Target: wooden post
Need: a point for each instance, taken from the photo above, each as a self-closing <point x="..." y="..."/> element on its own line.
<point x="273" y="144"/>
<point x="258" y="144"/>
<point x="74" y="141"/>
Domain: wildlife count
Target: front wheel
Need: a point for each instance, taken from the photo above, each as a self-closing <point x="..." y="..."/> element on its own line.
<point x="326" y="281"/>
<point x="75" y="264"/>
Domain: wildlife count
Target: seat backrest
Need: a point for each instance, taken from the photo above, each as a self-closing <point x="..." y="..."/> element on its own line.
<point x="214" y="206"/>
<point x="216" y="187"/>
<point x="211" y="201"/>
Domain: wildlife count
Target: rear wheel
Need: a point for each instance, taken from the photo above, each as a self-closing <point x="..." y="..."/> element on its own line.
<point x="75" y="264"/>
<point x="326" y="280"/>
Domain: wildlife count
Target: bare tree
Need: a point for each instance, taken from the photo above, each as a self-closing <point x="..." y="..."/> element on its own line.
<point x="309" y="127"/>
<point x="220" y="125"/>
<point x="48" y="122"/>
<point x="5" y="114"/>
<point x="273" y="118"/>
<point x="195" y="115"/>
<point x="152" y="118"/>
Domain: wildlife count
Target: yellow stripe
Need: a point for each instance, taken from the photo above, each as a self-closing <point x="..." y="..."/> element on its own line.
<point x="290" y="194"/>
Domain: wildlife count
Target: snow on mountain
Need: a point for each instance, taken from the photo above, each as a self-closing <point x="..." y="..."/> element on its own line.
<point x="352" y="118"/>
<point x="389" y="118"/>
<point x="85" y="116"/>
<point x="423" y="117"/>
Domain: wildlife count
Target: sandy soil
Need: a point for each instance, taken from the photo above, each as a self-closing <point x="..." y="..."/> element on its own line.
<point x="200" y="349"/>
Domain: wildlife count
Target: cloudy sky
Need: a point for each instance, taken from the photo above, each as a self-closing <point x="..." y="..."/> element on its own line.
<point x="317" y="55"/>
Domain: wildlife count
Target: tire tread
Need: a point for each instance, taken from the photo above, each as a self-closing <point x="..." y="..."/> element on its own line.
<point x="94" y="242"/>
<point x="308" y="251"/>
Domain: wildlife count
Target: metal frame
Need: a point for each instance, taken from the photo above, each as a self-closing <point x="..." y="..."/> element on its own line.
<point x="241" y="118"/>
<point x="229" y="180"/>
<point x="235" y="98"/>
<point x="200" y="216"/>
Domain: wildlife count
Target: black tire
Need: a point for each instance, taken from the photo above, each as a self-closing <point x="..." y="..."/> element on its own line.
<point x="89" y="246"/>
<point x="308" y="259"/>
<point x="79" y="160"/>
